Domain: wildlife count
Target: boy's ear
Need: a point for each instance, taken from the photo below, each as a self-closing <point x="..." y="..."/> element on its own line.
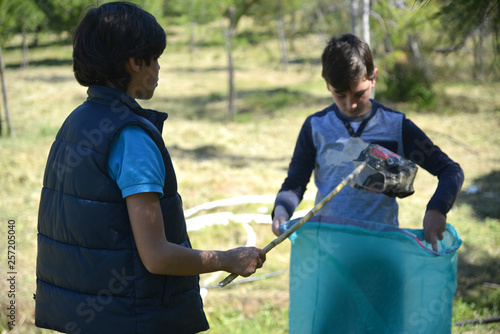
<point x="374" y="80"/>
<point x="135" y="64"/>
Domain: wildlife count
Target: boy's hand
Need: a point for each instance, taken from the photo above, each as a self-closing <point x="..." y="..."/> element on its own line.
<point x="244" y="261"/>
<point x="434" y="226"/>
<point x="280" y="216"/>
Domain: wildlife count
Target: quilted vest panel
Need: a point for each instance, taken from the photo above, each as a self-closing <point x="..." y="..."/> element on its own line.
<point x="90" y="278"/>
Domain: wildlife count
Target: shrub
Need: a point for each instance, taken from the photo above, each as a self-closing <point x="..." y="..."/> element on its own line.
<point x="408" y="83"/>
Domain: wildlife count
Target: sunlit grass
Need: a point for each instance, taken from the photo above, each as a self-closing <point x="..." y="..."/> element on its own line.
<point x="214" y="160"/>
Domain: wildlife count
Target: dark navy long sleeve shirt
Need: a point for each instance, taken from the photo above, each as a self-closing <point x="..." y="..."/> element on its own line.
<point x="401" y="136"/>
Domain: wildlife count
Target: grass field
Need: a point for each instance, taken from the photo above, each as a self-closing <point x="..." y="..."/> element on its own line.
<point x="250" y="156"/>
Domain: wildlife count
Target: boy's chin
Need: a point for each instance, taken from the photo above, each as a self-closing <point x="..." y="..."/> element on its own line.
<point x="351" y="113"/>
<point x="147" y="96"/>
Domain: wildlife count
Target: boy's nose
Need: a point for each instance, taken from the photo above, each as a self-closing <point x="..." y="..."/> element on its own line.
<point x="353" y="103"/>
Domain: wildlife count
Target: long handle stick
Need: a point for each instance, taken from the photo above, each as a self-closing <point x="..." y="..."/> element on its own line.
<point x="301" y="222"/>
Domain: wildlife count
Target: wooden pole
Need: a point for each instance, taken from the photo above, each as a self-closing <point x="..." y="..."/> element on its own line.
<point x="308" y="216"/>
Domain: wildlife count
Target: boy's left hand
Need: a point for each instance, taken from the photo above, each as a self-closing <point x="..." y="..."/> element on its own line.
<point x="434" y="226"/>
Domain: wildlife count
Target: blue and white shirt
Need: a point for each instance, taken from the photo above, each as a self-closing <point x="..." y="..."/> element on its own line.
<point x="322" y="138"/>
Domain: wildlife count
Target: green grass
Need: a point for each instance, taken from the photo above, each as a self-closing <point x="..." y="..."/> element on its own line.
<point x="250" y="156"/>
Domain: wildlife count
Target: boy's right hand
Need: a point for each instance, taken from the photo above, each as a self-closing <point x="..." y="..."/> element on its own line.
<point x="280" y="216"/>
<point x="244" y="261"/>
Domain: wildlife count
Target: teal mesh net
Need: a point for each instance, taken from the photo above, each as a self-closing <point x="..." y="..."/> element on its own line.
<point x="360" y="277"/>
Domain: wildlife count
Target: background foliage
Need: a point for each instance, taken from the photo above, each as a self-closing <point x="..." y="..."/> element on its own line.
<point x="445" y="84"/>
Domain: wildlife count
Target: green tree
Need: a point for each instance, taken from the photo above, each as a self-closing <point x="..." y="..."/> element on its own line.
<point x="20" y="16"/>
<point x="282" y="15"/>
<point x="62" y="15"/>
<point x="469" y="20"/>
<point x="233" y="10"/>
<point x="198" y="12"/>
<point x="404" y="67"/>
<point x="460" y="18"/>
<point x="8" y="14"/>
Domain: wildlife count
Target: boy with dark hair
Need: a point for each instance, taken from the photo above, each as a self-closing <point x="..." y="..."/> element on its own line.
<point x="113" y="252"/>
<point x="350" y="77"/>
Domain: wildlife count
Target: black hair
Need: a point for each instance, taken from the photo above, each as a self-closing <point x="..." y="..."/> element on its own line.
<point x="110" y="34"/>
<point x="346" y="59"/>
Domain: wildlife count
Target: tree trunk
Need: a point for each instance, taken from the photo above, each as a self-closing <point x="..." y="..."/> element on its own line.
<point x="366" y="21"/>
<point x="25" y="60"/>
<point x="478" y="55"/>
<point x="366" y="30"/>
<point x="10" y="130"/>
<point x="354" y="17"/>
<point x="231" y="110"/>
<point x="192" y="32"/>
<point x="320" y="20"/>
<point x="292" y="30"/>
<point x="387" y="45"/>
<point x="281" y="36"/>
<point x="419" y="60"/>
<point x="37" y="31"/>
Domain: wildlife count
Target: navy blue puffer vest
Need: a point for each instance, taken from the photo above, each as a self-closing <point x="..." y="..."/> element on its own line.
<point x="90" y="278"/>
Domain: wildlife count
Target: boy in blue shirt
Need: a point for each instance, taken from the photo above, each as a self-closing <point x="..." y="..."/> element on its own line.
<point x="350" y="76"/>
<point x="113" y="252"/>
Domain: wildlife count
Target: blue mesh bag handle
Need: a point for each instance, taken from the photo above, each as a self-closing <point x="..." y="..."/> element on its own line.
<point x="351" y="276"/>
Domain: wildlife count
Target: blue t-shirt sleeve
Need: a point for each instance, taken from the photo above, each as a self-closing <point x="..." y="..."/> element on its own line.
<point x="135" y="163"/>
